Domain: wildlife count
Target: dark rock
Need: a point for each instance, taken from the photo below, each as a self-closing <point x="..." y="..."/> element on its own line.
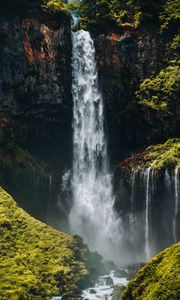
<point x="120" y="273"/>
<point x="92" y="291"/>
<point x="133" y="269"/>
<point x="118" y="290"/>
<point x="35" y="101"/>
<point x="109" y="281"/>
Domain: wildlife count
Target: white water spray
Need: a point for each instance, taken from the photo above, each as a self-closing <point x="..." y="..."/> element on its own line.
<point x="92" y="214"/>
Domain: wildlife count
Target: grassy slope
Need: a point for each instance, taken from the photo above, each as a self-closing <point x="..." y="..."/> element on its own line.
<point x="159" y="279"/>
<point x="36" y="261"/>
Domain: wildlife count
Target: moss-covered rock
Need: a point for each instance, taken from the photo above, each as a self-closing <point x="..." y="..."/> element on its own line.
<point x="161" y="92"/>
<point x="36" y="261"/>
<point x="159" y="279"/>
<point x="160" y="157"/>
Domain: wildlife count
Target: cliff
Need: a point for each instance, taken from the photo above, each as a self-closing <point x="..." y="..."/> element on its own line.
<point x="35" y="105"/>
<point x="132" y="67"/>
<point x="35" y="93"/>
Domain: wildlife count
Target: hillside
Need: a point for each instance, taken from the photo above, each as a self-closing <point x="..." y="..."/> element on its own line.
<point x="36" y="261"/>
<point x="159" y="279"/>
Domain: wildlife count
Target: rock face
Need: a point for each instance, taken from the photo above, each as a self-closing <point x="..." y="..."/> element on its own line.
<point x="35" y="104"/>
<point x="125" y="59"/>
<point x="35" y="81"/>
<point x="147" y="198"/>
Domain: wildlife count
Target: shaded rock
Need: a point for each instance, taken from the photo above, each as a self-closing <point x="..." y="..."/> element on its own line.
<point x="120" y="273"/>
<point x="109" y="281"/>
<point x="92" y="291"/>
<point x="118" y="290"/>
<point x="133" y="269"/>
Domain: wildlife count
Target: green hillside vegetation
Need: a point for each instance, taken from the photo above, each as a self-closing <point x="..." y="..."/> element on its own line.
<point x="36" y="261"/>
<point x="106" y="14"/>
<point x="159" y="279"/>
<point x="162" y="91"/>
<point x="160" y="157"/>
<point x="164" y="156"/>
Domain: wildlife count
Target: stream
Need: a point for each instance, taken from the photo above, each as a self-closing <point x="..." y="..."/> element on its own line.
<point x="105" y="286"/>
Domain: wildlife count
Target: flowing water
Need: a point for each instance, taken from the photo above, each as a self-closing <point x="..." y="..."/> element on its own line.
<point x="104" y="287"/>
<point x="133" y="196"/>
<point x="177" y="196"/>
<point x="92" y="214"/>
<point x="147" y="212"/>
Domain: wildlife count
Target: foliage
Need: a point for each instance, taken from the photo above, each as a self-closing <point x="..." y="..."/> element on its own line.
<point x="103" y="13"/>
<point x="176" y="42"/>
<point x="170" y="14"/>
<point x="36" y="261"/>
<point x="54" y="6"/>
<point x="118" y="13"/>
<point x="160" y="157"/>
<point x="162" y="91"/>
<point x="159" y="279"/>
<point x="10" y="152"/>
<point x="165" y="155"/>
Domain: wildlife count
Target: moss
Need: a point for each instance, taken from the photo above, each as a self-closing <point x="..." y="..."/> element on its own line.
<point x="170" y="14"/>
<point x="36" y="261"/>
<point x="160" y="157"/>
<point x="165" y="155"/>
<point x="175" y="44"/>
<point x="161" y="92"/>
<point x="159" y="279"/>
<point x="55" y="6"/>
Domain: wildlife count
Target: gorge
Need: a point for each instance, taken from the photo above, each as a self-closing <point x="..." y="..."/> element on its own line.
<point x="89" y="137"/>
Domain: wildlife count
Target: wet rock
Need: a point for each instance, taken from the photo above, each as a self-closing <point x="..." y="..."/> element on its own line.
<point x="109" y="281"/>
<point x="118" y="290"/>
<point x="92" y="291"/>
<point x="120" y="273"/>
<point x="133" y="269"/>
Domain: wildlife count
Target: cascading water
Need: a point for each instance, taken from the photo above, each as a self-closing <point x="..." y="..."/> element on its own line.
<point x="92" y="214"/>
<point x="147" y="212"/>
<point x="132" y="213"/>
<point x="176" y="186"/>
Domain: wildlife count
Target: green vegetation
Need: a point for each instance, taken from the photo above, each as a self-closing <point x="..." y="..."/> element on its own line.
<point x="175" y="42"/>
<point x="11" y="153"/>
<point x="160" y="157"/>
<point x="36" y="261"/>
<point x="105" y="14"/>
<point x="170" y="15"/>
<point x="132" y="13"/>
<point x="159" y="279"/>
<point x="162" y="91"/>
<point x="165" y="155"/>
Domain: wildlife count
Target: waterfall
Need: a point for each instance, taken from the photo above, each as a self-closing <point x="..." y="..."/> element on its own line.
<point x="147" y="213"/>
<point x="92" y="214"/>
<point x="176" y="186"/>
<point x="133" y="192"/>
<point x="50" y="187"/>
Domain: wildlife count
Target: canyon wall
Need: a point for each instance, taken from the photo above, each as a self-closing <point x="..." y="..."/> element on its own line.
<point x="35" y="104"/>
<point x="125" y="60"/>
